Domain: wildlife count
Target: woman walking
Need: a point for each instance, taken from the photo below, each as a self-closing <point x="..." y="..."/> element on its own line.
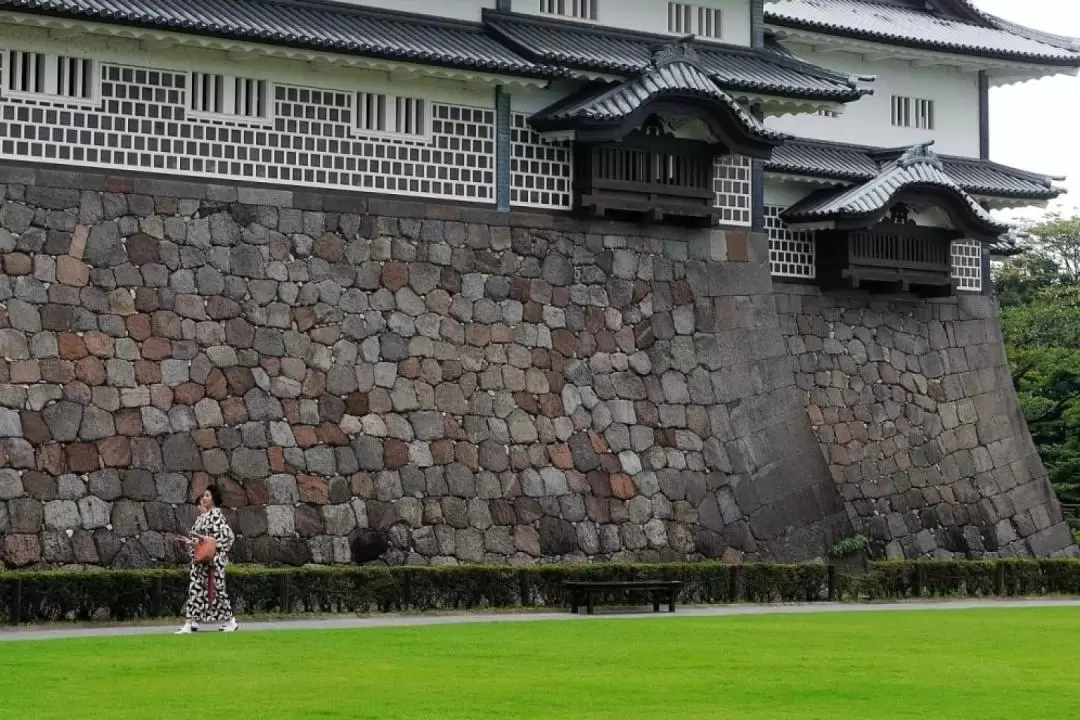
<point x="207" y="599"/>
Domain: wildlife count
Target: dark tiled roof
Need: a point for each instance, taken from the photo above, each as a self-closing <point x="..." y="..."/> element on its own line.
<point x="855" y="163"/>
<point x="954" y="26"/>
<point x="917" y="167"/>
<point x="583" y="47"/>
<point x="617" y="101"/>
<point x="314" y="25"/>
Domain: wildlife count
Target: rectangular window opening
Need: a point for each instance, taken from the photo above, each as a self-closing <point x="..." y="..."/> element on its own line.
<point x="579" y="9"/>
<point x="910" y="112"/>
<point x="688" y="19"/>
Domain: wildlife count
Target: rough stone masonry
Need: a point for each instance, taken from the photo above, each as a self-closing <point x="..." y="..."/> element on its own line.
<point x="483" y="387"/>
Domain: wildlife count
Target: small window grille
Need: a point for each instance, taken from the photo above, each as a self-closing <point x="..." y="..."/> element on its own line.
<point x="378" y="113"/>
<point x="687" y="19"/>
<point x="55" y="75"/>
<point x="227" y="95"/>
<point x="580" y="9"/>
<point x="910" y="112"/>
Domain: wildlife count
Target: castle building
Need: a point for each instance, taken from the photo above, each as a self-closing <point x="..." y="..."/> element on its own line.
<point x="512" y="279"/>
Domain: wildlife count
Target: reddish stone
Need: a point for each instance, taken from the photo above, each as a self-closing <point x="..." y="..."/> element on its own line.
<point x="205" y="438"/>
<point x="82" y="458"/>
<point x="451" y="370"/>
<point x="409" y="368"/>
<point x="665" y="437"/>
<point x="395" y="275"/>
<point x="605" y="342"/>
<point x="128" y="422"/>
<point x="519" y="458"/>
<point x="595" y="320"/>
<point x="147" y="372"/>
<point x="305" y="318"/>
<point x="199" y="485"/>
<point x="560" y="297"/>
<point x="138" y="327"/>
<point x="119" y="185"/>
<point x="35" y="430"/>
<point x="564" y="342"/>
<point x="541" y="359"/>
<point x="17" y="264"/>
<point x="598" y="509"/>
<point x="442" y="452"/>
<point x="188" y="394"/>
<point x="233" y="411"/>
<point x="232" y="495"/>
<point x="599" y="483"/>
<point x="115" y="451"/>
<point x="527" y="403"/>
<point x="610" y="463"/>
<point x="501" y="333"/>
<point x="39" y="486"/>
<point x="357" y="404"/>
<point x="551" y="406"/>
<point x="240" y="380"/>
<point x="256" y="490"/>
<point x="313" y="490"/>
<point x="468" y="455"/>
<point x="271" y="365"/>
<point x="277" y="459"/>
<point x="330" y="434"/>
<point x="682" y="293"/>
<point x="395" y="454"/>
<point x="52" y="459"/>
<point x="556" y="381"/>
<point x="477" y="335"/>
<point x="314" y="384"/>
<point x="99" y="344"/>
<point x="622" y="486"/>
<point x="533" y="312"/>
<point x="157" y="348"/>
<point x="291" y="411"/>
<point x="167" y="324"/>
<point x="147" y="300"/>
<point x="91" y="370"/>
<point x="217" y="387"/>
<point x="305" y="436"/>
<point x="71" y="346"/>
<point x="379" y="399"/>
<point x="560" y="456"/>
<point x="738" y="246"/>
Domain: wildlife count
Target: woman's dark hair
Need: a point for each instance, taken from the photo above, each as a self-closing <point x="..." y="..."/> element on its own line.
<point x="215" y="495"/>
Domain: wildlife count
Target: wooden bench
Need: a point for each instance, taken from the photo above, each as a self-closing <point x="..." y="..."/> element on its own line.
<point x="656" y="589"/>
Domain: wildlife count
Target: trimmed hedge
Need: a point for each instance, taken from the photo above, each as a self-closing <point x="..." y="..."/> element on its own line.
<point x="29" y="596"/>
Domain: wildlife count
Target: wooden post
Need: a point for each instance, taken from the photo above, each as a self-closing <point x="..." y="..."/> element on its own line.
<point x="524" y="593"/>
<point x="734" y="573"/>
<point x="155" y="598"/>
<point x="832" y="583"/>
<point x="16" y="601"/>
<point x="999" y="579"/>
<point x="919" y="579"/>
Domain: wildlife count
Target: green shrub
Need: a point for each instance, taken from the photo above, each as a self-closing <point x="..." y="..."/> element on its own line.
<point x="850" y="546"/>
<point x="137" y="594"/>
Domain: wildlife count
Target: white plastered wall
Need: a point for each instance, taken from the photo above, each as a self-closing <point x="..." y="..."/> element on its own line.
<point x="869" y="121"/>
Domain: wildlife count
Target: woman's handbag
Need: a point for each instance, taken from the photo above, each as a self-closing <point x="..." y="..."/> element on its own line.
<point x="205" y="550"/>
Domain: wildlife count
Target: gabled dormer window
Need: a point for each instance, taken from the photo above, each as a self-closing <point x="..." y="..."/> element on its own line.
<point x="579" y="9"/>
<point x="229" y="96"/>
<point x="688" y="19"/>
<point x="54" y="76"/>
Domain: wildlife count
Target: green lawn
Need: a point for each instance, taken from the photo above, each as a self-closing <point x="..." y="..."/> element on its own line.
<point x="979" y="664"/>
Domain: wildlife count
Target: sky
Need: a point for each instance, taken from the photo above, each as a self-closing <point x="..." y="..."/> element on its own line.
<point x="1036" y="125"/>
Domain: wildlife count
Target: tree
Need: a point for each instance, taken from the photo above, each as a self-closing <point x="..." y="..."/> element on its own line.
<point x="1040" y="298"/>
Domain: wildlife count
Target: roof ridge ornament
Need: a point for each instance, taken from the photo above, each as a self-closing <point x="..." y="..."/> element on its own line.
<point x="679" y="51"/>
<point x="920" y="154"/>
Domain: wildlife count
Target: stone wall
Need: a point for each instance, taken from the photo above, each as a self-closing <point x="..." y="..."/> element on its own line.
<point x="913" y="405"/>
<point x="483" y="387"/>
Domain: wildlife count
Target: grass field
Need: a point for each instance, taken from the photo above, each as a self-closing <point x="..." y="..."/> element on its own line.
<point x="979" y="664"/>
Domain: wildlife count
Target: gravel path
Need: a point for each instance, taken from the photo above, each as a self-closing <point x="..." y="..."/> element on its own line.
<point x="385" y="621"/>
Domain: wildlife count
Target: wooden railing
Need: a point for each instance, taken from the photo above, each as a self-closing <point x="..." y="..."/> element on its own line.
<point x="902" y="247"/>
<point x="647" y="175"/>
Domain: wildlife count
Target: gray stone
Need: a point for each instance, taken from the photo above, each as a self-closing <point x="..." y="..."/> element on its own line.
<point x="11" y="485"/>
<point x="584" y="456"/>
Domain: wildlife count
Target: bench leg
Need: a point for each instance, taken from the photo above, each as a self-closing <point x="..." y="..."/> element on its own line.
<point x="656" y="602"/>
<point x="589" y="601"/>
<point x="573" y="601"/>
<point x="671" y="600"/>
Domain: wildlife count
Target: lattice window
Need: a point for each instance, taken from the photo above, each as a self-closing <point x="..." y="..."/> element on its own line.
<point x="580" y="9"/>
<point x="142" y="123"/>
<point x="731" y="182"/>
<point x="791" y="252"/>
<point x="688" y="19"/>
<point x="228" y="95"/>
<point x="908" y="112"/>
<point x="540" y="171"/>
<point x="61" y="76"/>
<point x="377" y="113"/>
<point x="967" y="265"/>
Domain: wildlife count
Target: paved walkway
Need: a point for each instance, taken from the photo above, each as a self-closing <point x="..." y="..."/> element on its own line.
<point x="387" y="621"/>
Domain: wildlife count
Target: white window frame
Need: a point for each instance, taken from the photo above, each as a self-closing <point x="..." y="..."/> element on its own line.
<point x="913" y="113"/>
<point x="584" y="10"/>
<point x="701" y="21"/>
<point x="51" y="79"/>
<point x="228" y="86"/>
<point x="398" y="113"/>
